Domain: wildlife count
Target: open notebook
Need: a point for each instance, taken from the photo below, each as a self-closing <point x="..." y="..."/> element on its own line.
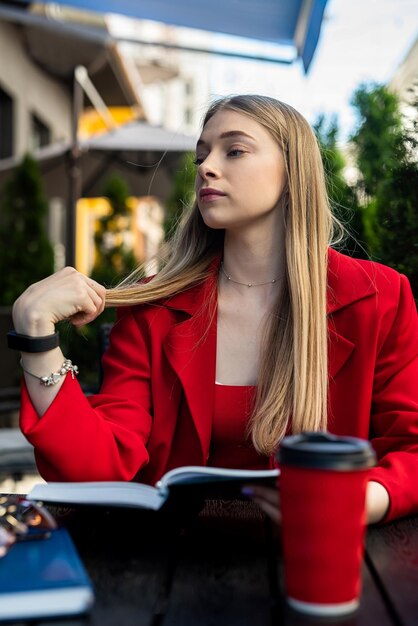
<point x="137" y="495"/>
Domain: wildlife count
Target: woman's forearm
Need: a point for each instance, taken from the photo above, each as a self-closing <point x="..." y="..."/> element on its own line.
<point x="377" y="502"/>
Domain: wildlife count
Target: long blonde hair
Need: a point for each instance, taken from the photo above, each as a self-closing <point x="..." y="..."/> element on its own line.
<point x="293" y="382"/>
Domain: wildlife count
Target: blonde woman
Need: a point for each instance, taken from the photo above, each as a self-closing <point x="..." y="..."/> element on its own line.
<point x="255" y="327"/>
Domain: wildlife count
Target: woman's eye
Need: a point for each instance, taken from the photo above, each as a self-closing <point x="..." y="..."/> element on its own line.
<point x="198" y="161"/>
<point x="235" y="152"/>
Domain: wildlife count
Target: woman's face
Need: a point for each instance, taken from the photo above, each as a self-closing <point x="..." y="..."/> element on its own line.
<point x="241" y="172"/>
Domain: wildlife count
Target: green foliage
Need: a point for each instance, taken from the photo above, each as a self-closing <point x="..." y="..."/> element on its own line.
<point x="26" y="255"/>
<point x="342" y="197"/>
<point x="113" y="259"/>
<point x="397" y="207"/>
<point x="182" y="195"/>
<point x="387" y="159"/>
<point x="379" y="138"/>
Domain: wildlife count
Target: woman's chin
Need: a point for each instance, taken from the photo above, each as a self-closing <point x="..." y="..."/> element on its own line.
<point x="212" y="221"/>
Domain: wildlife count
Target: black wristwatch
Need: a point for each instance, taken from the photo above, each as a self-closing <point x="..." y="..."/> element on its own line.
<point x="26" y="343"/>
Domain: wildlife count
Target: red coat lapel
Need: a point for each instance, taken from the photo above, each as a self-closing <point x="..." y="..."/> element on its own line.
<point x="348" y="282"/>
<point x="190" y="348"/>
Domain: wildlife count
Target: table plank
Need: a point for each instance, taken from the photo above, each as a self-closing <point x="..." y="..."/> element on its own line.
<point x="393" y="553"/>
<point x="222" y="576"/>
<point x="128" y="555"/>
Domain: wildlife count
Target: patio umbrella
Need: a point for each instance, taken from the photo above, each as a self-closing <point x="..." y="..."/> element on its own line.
<point x="146" y="156"/>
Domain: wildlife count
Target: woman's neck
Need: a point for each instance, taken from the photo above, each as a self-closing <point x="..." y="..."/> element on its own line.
<point x="252" y="260"/>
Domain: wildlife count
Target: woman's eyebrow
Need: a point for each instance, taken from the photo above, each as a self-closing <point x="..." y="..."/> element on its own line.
<point x="228" y="133"/>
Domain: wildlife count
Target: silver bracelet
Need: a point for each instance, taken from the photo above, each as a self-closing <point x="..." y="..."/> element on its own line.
<point x="54" y="377"/>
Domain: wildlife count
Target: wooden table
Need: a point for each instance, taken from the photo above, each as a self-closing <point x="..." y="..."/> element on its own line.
<point x="221" y="567"/>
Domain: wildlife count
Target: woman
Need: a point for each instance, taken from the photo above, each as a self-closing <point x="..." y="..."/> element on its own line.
<point x="255" y="327"/>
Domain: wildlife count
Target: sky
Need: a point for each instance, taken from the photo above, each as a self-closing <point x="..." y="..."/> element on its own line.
<point x="360" y="41"/>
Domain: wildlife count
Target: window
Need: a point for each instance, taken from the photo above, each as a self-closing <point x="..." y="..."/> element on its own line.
<point x="41" y="133"/>
<point x="6" y="125"/>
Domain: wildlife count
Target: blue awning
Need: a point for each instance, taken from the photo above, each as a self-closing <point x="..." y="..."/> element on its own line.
<point x="294" y="23"/>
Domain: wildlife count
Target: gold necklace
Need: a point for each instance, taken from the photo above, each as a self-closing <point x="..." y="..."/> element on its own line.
<point x="228" y="277"/>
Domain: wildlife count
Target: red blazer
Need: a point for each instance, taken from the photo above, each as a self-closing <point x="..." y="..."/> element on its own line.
<point x="154" y="410"/>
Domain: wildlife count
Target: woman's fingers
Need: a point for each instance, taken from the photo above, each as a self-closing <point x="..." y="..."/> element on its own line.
<point x="91" y="305"/>
<point x="267" y="498"/>
<point x="66" y="295"/>
<point x="80" y="297"/>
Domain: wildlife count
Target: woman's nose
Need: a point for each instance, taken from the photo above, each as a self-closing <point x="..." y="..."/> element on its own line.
<point x="208" y="169"/>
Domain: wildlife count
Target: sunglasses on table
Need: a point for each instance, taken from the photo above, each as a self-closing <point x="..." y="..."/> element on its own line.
<point x="22" y="520"/>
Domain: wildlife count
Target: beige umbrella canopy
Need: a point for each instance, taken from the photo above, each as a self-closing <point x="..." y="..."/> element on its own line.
<point x="146" y="156"/>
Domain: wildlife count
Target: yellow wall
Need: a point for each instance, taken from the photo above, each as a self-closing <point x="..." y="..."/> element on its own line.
<point x="89" y="210"/>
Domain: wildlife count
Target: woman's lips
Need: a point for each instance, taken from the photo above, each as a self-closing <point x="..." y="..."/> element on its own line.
<point x="208" y="194"/>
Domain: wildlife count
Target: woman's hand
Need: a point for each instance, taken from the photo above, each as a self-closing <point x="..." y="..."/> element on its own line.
<point x="268" y="499"/>
<point x="66" y="295"/>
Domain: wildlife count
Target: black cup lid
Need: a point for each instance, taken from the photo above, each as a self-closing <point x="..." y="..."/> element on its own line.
<point x="325" y="451"/>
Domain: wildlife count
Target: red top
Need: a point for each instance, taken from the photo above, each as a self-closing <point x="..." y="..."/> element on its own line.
<point x="230" y="444"/>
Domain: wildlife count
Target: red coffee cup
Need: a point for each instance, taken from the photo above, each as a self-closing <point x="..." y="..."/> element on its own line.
<point x="322" y="487"/>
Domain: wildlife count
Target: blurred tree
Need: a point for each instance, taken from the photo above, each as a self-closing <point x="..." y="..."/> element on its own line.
<point x="113" y="261"/>
<point x="379" y="137"/>
<point x="342" y="197"/>
<point x="387" y="159"/>
<point x="26" y="255"/>
<point x="113" y="258"/>
<point x="182" y="195"/>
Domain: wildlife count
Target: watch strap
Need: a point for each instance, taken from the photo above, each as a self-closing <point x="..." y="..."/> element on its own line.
<point x="26" y="343"/>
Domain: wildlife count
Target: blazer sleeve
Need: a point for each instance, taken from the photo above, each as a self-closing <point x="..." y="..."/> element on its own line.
<point x="394" y="417"/>
<point x="101" y="437"/>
